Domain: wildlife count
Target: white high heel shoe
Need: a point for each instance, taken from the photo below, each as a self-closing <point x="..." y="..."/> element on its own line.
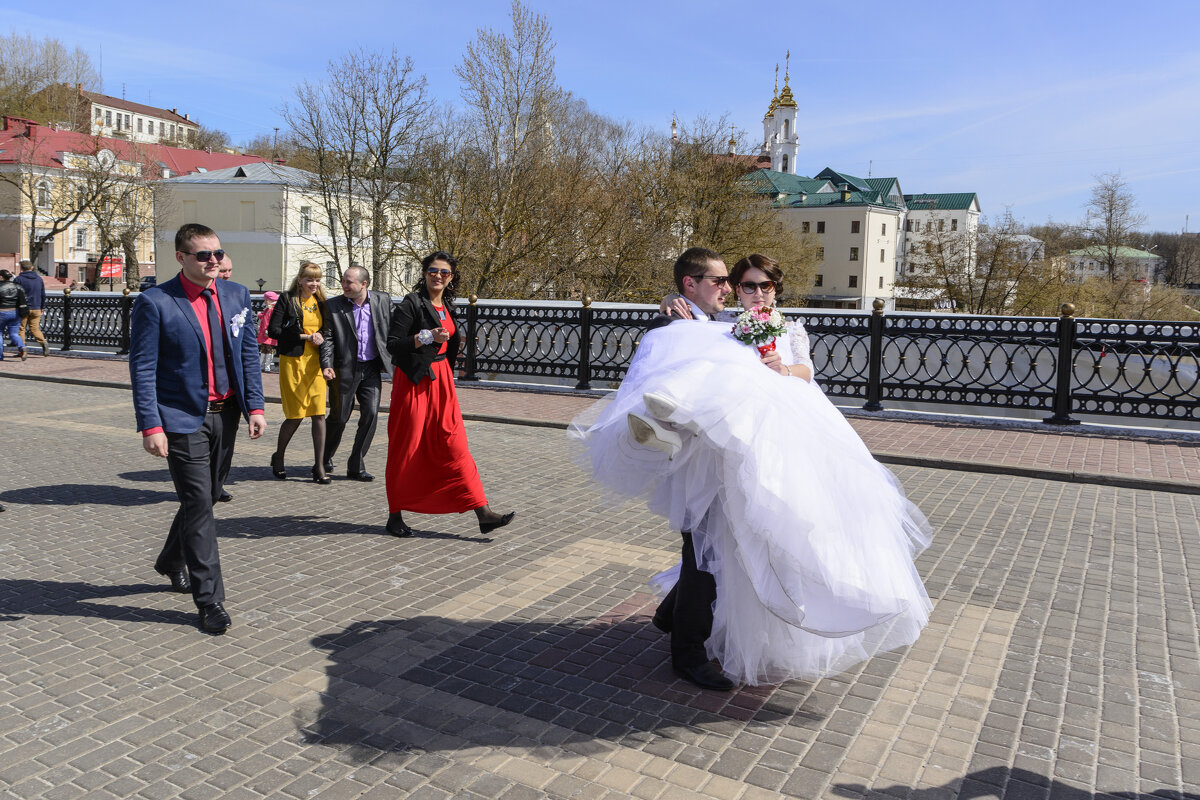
<point x="648" y="432"/>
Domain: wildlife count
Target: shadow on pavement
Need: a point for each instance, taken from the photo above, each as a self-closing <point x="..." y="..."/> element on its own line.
<point x="78" y="494"/>
<point x="20" y="597"/>
<point x="590" y="680"/>
<point x="1003" y="782"/>
<point x="297" y="525"/>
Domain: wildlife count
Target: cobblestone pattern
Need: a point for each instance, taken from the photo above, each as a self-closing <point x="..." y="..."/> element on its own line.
<point x="1061" y="660"/>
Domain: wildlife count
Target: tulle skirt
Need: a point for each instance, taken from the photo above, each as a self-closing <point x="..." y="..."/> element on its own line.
<point x="811" y="541"/>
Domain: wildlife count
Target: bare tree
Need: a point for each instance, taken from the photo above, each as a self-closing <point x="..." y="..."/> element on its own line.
<point x="359" y="129"/>
<point x="210" y="139"/>
<point x="1112" y="221"/>
<point x="38" y="78"/>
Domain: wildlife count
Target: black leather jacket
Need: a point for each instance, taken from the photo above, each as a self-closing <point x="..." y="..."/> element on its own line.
<point x="12" y="297"/>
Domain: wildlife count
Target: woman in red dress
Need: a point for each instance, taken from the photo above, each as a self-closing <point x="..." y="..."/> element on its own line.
<point x="429" y="468"/>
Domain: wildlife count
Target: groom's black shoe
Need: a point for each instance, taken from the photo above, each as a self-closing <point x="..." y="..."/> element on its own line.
<point x="706" y="676"/>
<point x="178" y="578"/>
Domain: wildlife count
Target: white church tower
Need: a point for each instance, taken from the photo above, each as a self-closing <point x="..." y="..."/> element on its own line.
<point x="780" y="140"/>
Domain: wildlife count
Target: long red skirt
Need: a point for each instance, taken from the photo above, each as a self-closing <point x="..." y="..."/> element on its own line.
<point x="429" y="468"/>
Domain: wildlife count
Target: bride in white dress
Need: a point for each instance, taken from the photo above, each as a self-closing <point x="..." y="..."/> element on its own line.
<point x="810" y="540"/>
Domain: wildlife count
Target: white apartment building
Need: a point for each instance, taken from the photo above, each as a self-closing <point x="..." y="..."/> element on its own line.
<point x="269" y="220"/>
<point x="113" y="116"/>
<point x="1092" y="262"/>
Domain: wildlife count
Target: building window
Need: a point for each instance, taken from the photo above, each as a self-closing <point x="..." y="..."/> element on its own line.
<point x="881" y="258"/>
<point x="854" y="226"/>
<point x="953" y="224"/>
<point x="80" y="238"/>
<point x="99" y="113"/>
<point x="820" y="226"/>
<point x="804" y="227"/>
<point x="880" y="281"/>
<point x="928" y="225"/>
<point x="853" y="281"/>
<point x="820" y="253"/>
<point x="150" y="126"/>
<point x="43" y="194"/>
<point x="306" y="219"/>
<point x="128" y="127"/>
<point x="820" y="280"/>
<point x="108" y="119"/>
<point x="331" y="277"/>
<point x="854" y="254"/>
<point x="883" y="229"/>
<point x="140" y="121"/>
<point x="908" y="225"/>
<point x="941" y="224"/>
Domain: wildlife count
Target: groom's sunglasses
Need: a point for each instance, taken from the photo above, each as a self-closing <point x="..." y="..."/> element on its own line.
<point x="749" y="286"/>
<point x="206" y="255"/>
<point x="718" y="280"/>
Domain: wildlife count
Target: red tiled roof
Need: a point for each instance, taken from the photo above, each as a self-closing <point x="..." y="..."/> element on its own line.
<point x="137" y="108"/>
<point x="45" y="147"/>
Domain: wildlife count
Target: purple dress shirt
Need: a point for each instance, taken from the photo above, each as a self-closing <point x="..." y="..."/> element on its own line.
<point x="362" y="329"/>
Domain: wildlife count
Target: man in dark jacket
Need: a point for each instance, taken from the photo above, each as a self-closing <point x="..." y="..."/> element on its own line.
<point x="359" y="321"/>
<point x="12" y="308"/>
<point x="35" y="296"/>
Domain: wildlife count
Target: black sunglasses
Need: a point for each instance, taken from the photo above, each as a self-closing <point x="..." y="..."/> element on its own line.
<point x="749" y="286"/>
<point x="206" y="255"/>
<point x="436" y="271"/>
<point x="718" y="280"/>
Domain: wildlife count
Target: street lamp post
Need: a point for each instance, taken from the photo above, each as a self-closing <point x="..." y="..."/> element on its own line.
<point x="260" y="283"/>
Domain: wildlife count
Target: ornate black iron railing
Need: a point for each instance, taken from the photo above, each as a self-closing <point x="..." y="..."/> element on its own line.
<point x="1062" y="366"/>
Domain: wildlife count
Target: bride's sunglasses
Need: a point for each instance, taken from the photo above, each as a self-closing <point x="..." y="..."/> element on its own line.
<point x="749" y="286"/>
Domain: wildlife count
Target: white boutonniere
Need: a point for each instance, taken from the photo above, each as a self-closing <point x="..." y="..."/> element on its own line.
<point x="237" y="321"/>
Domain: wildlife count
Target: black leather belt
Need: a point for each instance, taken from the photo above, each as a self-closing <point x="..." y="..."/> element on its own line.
<point x="439" y="357"/>
<point x="217" y="406"/>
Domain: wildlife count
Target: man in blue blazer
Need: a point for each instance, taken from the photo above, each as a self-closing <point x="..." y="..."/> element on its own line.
<point x="193" y="362"/>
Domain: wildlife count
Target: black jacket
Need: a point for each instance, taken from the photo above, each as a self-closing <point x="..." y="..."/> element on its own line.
<point x="12" y="298"/>
<point x="285" y="328"/>
<point x="414" y="314"/>
<point x="343" y="350"/>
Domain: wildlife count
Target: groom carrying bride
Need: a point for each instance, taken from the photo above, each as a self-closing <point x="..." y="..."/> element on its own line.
<point x="798" y="546"/>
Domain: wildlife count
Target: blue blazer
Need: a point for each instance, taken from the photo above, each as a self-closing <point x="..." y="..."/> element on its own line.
<point x="167" y="363"/>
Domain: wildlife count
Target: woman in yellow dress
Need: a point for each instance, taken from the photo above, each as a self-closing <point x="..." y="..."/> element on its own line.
<point x="299" y="324"/>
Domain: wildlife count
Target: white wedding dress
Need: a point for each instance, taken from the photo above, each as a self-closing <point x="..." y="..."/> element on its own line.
<point x="811" y="541"/>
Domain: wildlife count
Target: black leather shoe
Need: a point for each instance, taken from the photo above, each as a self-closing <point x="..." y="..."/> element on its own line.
<point x="214" y="619"/>
<point x="488" y="527"/>
<point x="396" y="526"/>
<point x="180" y="582"/>
<point x="224" y="497"/>
<point x="363" y="476"/>
<point x="706" y="676"/>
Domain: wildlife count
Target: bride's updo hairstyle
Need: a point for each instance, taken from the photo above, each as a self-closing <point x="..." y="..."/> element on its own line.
<point x="767" y="264"/>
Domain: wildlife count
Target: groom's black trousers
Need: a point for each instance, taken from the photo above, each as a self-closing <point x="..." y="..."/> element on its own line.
<point x="689" y="609"/>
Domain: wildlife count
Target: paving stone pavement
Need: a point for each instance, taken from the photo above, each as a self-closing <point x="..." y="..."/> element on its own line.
<point x="1062" y="659"/>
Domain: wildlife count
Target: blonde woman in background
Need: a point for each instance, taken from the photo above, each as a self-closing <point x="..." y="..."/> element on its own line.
<point x="298" y="323"/>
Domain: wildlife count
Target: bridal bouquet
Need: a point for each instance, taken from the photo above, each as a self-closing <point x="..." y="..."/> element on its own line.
<point x="759" y="327"/>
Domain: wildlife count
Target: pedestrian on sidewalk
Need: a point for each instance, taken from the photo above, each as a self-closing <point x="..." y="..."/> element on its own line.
<point x="429" y="468"/>
<point x="194" y="369"/>
<point x="13" y="309"/>
<point x="300" y="324"/>
<point x="35" y="296"/>
<point x="267" y="345"/>
<point x="359" y="323"/>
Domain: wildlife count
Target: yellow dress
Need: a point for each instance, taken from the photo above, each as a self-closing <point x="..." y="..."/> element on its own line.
<point x="301" y="384"/>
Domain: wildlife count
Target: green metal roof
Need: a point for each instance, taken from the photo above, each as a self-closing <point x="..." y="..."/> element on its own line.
<point x="960" y="201"/>
<point x="801" y="192"/>
<point x="1100" y="251"/>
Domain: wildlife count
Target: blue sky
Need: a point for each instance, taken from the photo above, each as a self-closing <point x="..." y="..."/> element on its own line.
<point x="1023" y="102"/>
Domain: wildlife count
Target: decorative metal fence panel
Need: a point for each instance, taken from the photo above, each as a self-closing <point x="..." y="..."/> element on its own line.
<point x="1061" y="365"/>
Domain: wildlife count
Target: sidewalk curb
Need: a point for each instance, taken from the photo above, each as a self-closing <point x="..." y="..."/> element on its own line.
<point x="884" y="457"/>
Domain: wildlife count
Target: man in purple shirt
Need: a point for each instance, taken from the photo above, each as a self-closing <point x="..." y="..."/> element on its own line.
<point x="357" y="352"/>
